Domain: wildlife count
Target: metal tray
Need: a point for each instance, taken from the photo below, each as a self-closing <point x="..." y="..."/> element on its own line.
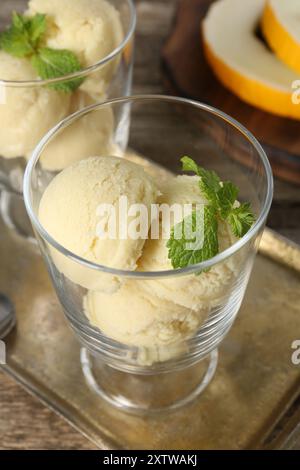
<point x="251" y="403"/>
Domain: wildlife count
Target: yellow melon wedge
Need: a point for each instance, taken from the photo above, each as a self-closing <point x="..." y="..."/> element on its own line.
<point x="281" y="28"/>
<point x="242" y="62"/>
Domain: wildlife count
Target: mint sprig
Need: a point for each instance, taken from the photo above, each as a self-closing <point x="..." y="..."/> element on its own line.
<point x="221" y="205"/>
<point x="20" y="39"/>
<point x="209" y="182"/>
<point x="37" y="26"/>
<point x="241" y="219"/>
<point x="52" y="63"/>
<point x="226" y="197"/>
<point x="24" y="38"/>
<point x="179" y="255"/>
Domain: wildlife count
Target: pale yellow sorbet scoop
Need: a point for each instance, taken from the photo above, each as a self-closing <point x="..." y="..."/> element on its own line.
<point x="69" y="211"/>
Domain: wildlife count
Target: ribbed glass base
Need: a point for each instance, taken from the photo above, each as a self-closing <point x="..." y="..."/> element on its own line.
<point x="151" y="392"/>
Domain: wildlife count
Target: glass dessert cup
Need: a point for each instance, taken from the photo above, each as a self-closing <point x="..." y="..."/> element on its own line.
<point x="30" y="108"/>
<point x="169" y="363"/>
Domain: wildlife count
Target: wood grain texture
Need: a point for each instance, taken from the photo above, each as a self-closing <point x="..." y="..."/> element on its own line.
<point x="24" y="422"/>
<point x="187" y="73"/>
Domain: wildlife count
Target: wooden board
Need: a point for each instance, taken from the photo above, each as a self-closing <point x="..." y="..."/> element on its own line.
<point x="32" y="426"/>
<point x="187" y="73"/>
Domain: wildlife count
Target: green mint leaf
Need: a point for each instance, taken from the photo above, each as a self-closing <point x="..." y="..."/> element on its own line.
<point x="209" y="181"/>
<point x="24" y="38"/>
<point x="210" y="185"/>
<point x="188" y="164"/>
<point x="36" y="28"/>
<point x="241" y="219"/>
<point x="226" y="196"/>
<point x="53" y="63"/>
<point x="180" y="250"/>
<point x="18" y="21"/>
<point x="24" y="35"/>
<point x="15" y="43"/>
<point x="222" y="197"/>
<point x="15" y="40"/>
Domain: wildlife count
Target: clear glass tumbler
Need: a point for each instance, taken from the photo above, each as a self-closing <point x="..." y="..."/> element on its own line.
<point x="158" y="368"/>
<point x="29" y="108"/>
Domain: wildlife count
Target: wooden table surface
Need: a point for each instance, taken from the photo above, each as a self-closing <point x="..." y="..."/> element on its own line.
<point x="25" y="423"/>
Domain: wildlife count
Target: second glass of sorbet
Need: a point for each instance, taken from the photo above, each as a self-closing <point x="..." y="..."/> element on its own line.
<point x="150" y="333"/>
<point x="101" y="34"/>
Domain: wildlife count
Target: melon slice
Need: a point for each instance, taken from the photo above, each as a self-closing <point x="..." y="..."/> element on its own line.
<point x="242" y="62"/>
<point x="281" y="28"/>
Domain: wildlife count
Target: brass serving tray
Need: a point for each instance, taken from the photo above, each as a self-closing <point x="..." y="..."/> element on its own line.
<point x="249" y="404"/>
